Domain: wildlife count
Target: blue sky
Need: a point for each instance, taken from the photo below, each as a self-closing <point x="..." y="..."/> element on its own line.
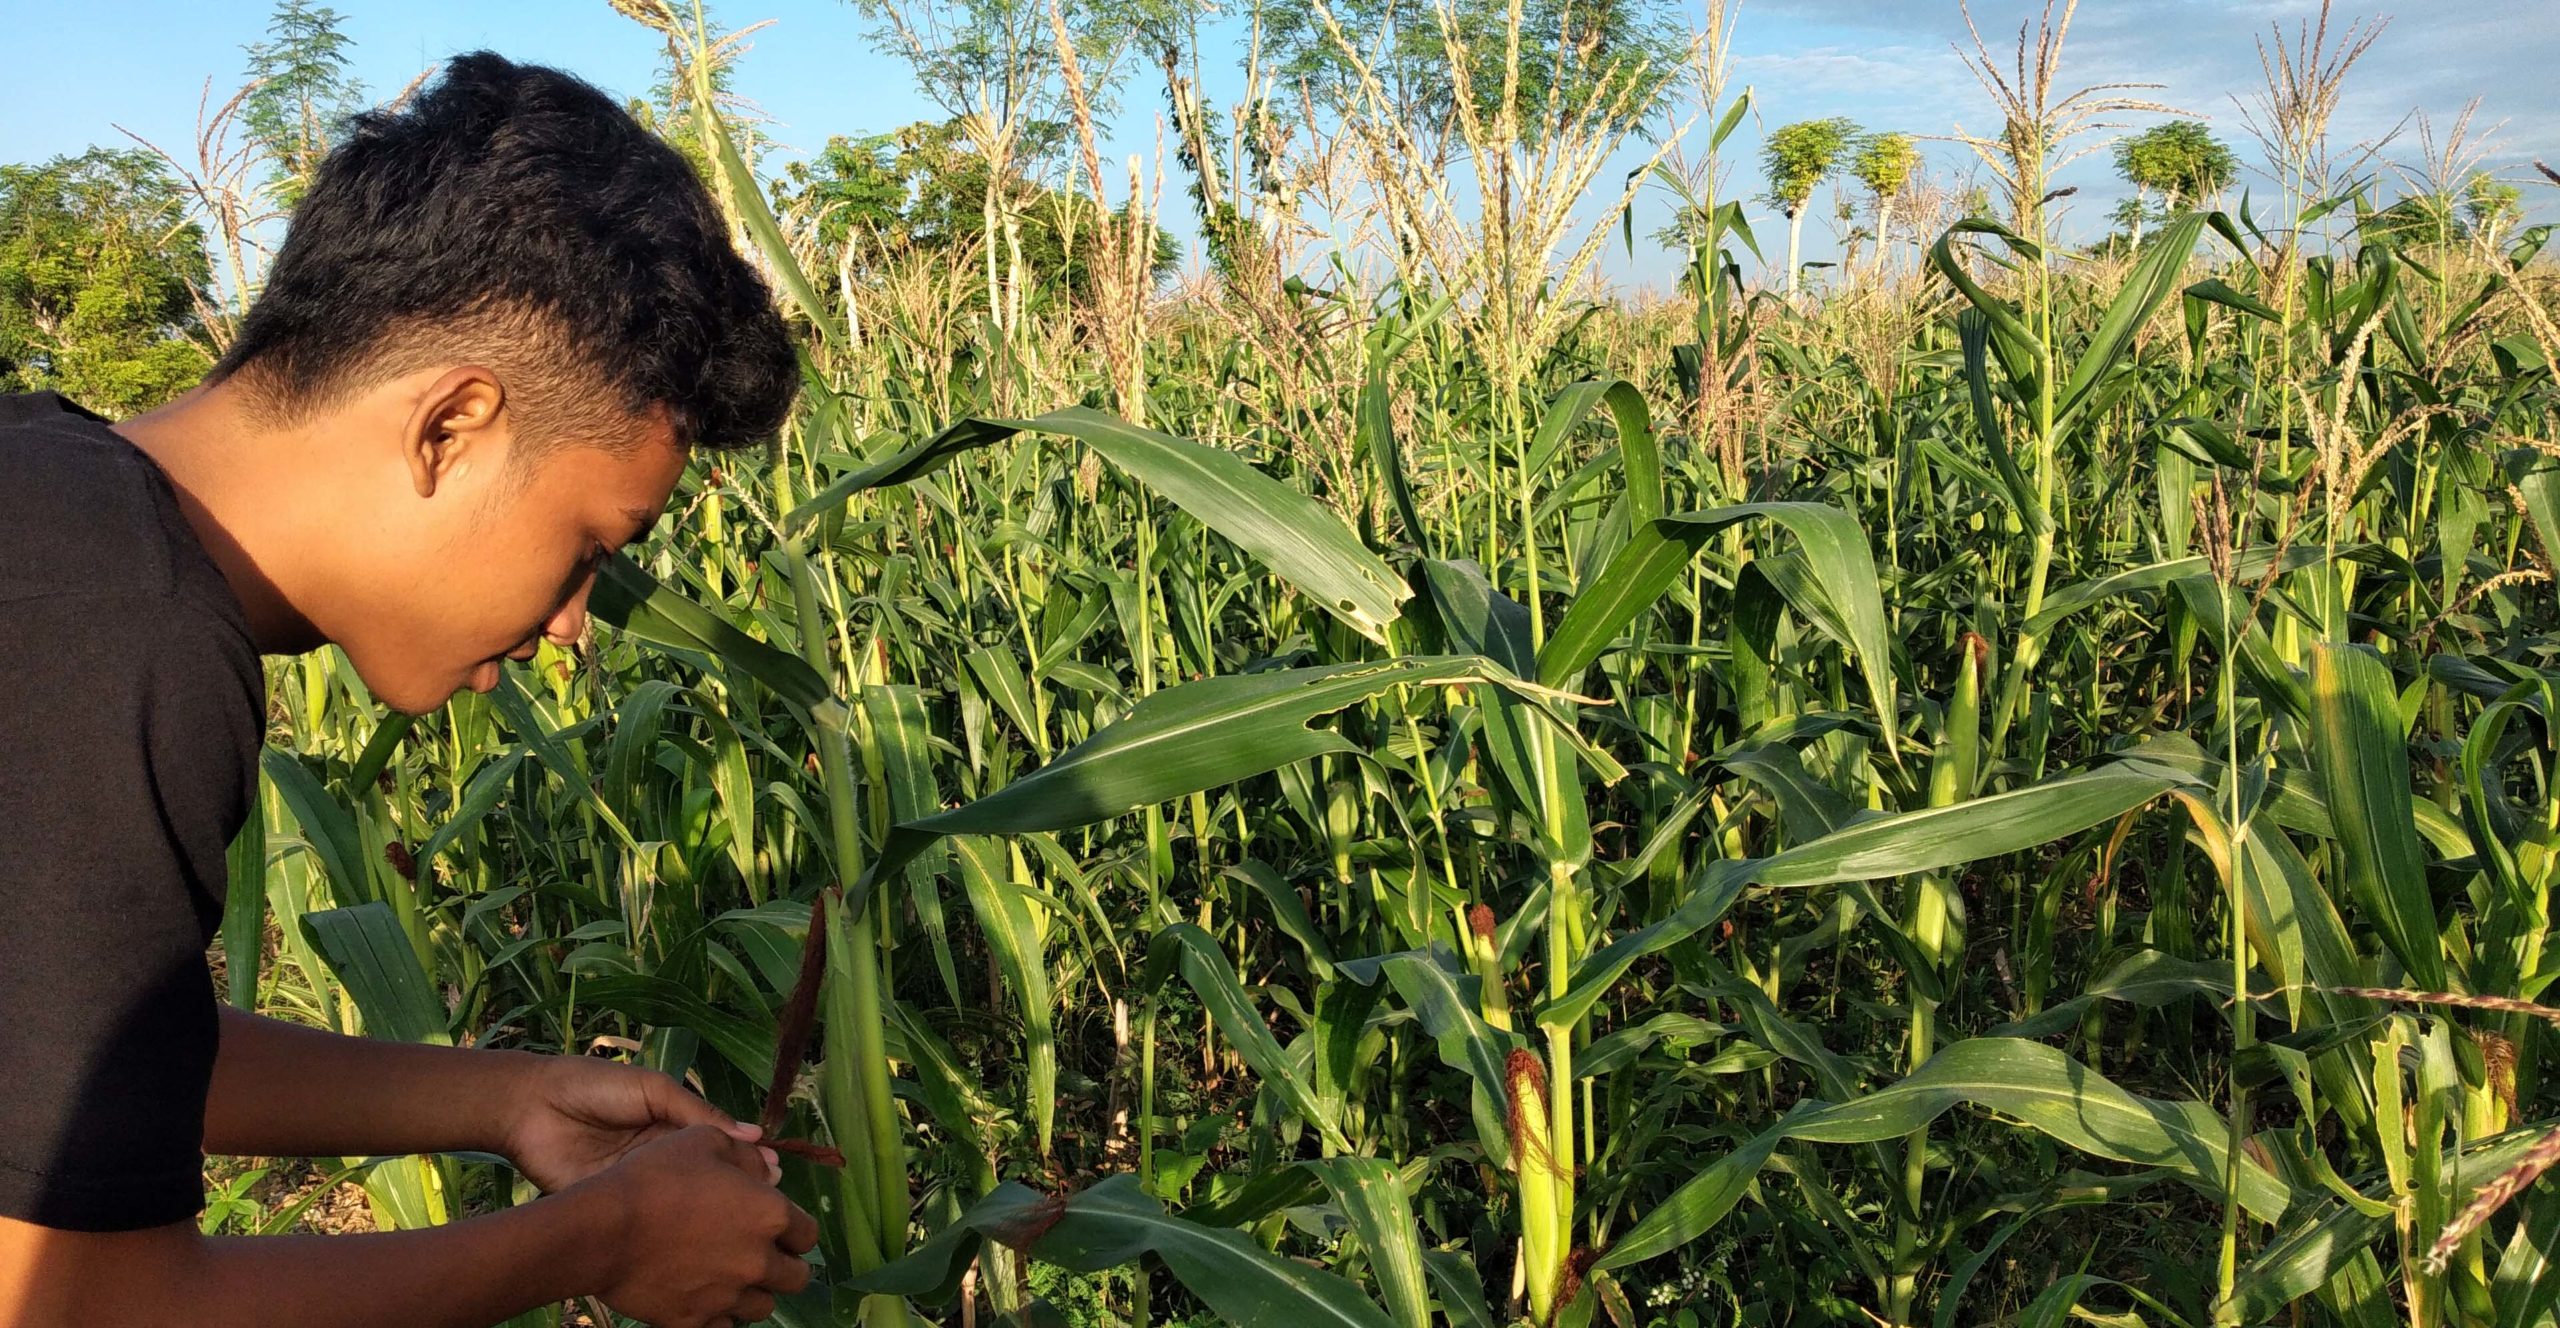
<point x="80" y="70"/>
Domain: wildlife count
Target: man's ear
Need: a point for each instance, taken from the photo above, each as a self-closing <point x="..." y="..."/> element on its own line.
<point x="459" y="423"/>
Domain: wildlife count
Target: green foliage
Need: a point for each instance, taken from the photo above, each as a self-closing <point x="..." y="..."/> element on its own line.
<point x="1374" y="824"/>
<point x="1884" y="163"/>
<point x="1802" y="155"/>
<point x="920" y="191"/>
<point x="2491" y="204"/>
<point x="98" y="274"/>
<point x="2422" y="220"/>
<point x="301" y="95"/>
<point x="2181" y="161"/>
<point x="1569" y="53"/>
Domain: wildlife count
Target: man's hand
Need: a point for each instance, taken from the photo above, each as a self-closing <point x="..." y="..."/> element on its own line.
<point x="706" y="1239"/>
<point x="577" y="1116"/>
<point x="684" y="1232"/>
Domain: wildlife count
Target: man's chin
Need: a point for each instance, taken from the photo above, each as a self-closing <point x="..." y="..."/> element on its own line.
<point x="428" y="698"/>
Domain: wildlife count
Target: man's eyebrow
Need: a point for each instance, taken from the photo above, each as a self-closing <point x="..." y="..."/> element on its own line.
<point x="642" y="518"/>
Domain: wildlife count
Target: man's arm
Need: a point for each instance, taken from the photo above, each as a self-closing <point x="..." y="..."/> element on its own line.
<point x="282" y="1090"/>
<point x="687" y="1232"/>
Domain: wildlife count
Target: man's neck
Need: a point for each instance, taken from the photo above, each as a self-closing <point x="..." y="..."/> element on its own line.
<point x="235" y="485"/>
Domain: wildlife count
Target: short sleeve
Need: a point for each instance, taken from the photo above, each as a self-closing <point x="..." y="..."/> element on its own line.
<point x="128" y="745"/>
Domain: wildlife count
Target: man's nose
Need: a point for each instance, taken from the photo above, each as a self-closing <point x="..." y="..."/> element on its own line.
<point x="569" y="626"/>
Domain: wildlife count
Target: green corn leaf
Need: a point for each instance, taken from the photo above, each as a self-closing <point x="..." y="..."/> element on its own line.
<point x="2362" y="757"/>
<point x="1341" y="1023"/>
<point x="371" y="957"/>
<point x="746" y="1043"/>
<point x="634" y="601"/>
<point x="244" y="909"/>
<point x="1876" y="849"/>
<point x="1000" y="674"/>
<point x="1638" y="454"/>
<point x="1973" y="330"/>
<point x="2526" y="1285"/>
<point x="2155" y="274"/>
<point x="1377" y="428"/>
<point x="1012" y="1214"/>
<point x="2021" y="356"/>
<point x="1638" y="575"/>
<point x="1200" y="735"/>
<point x="2050" y="1092"/>
<point x="746" y="200"/>
<point x="1477" y="619"/>
<point x="2027" y="1082"/>
<point x="1448" y="1000"/>
<point x="509" y="700"/>
<point x="1701" y="1202"/>
<point x="2319" y="1241"/>
<point x="1292" y="534"/>
<point x="1935" y="837"/>
<point x="1459" y="1289"/>
<point x="1240" y="1282"/>
<point x="379" y="749"/>
<point x="631" y="752"/>
<point x="327" y="827"/>
<point x="1012" y="934"/>
<point x="1211" y="975"/>
<point x="898" y="467"/>
<point x="1288" y="912"/>
<point x="1371" y="1194"/>
<point x="2214" y="290"/>
<point x="2247" y="567"/>
<point x="1112" y="1224"/>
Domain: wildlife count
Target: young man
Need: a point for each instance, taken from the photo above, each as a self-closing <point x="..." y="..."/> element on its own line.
<point x="499" y="320"/>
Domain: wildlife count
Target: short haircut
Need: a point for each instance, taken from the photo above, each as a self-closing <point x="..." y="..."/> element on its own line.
<point x="513" y="215"/>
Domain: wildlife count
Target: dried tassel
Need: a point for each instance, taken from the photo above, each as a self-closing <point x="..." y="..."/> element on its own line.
<point x="799" y="1017"/>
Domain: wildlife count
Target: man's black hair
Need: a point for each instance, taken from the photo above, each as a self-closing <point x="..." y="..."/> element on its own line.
<point x="514" y="215"/>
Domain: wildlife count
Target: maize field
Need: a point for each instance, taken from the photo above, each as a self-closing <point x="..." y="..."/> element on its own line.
<point x="2015" y="790"/>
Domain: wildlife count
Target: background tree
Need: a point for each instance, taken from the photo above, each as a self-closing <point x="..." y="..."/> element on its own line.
<point x="2426" y="219"/>
<point x="2127" y="216"/>
<point x="1568" y="53"/>
<point x="303" y="93"/>
<point x="2492" y="204"/>
<point x="919" y="189"/>
<point x="1884" y="163"/>
<point x="2181" y="161"/>
<point x="1796" y="159"/>
<point x="97" y="272"/>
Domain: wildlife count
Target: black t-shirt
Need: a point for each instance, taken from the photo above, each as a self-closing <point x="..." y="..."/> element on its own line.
<point x="130" y="715"/>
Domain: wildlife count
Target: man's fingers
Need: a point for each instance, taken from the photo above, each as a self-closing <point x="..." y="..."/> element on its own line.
<point x="676" y="1104"/>
<point x="785" y="1273"/>
<point x="753" y="1307"/>
<point x="801" y="1236"/>
<point x="739" y="1153"/>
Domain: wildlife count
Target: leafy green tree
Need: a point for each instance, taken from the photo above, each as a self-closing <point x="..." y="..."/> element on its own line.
<point x="2128" y="215"/>
<point x="2181" y="161"/>
<point x="853" y="188"/>
<point x="2423" y="220"/>
<point x="1884" y="163"/>
<point x="921" y="188"/>
<point x="2492" y="204"/>
<point x="1568" y="52"/>
<point x="99" y="272"/>
<point x="1796" y="159"/>
<point x="302" y="94"/>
